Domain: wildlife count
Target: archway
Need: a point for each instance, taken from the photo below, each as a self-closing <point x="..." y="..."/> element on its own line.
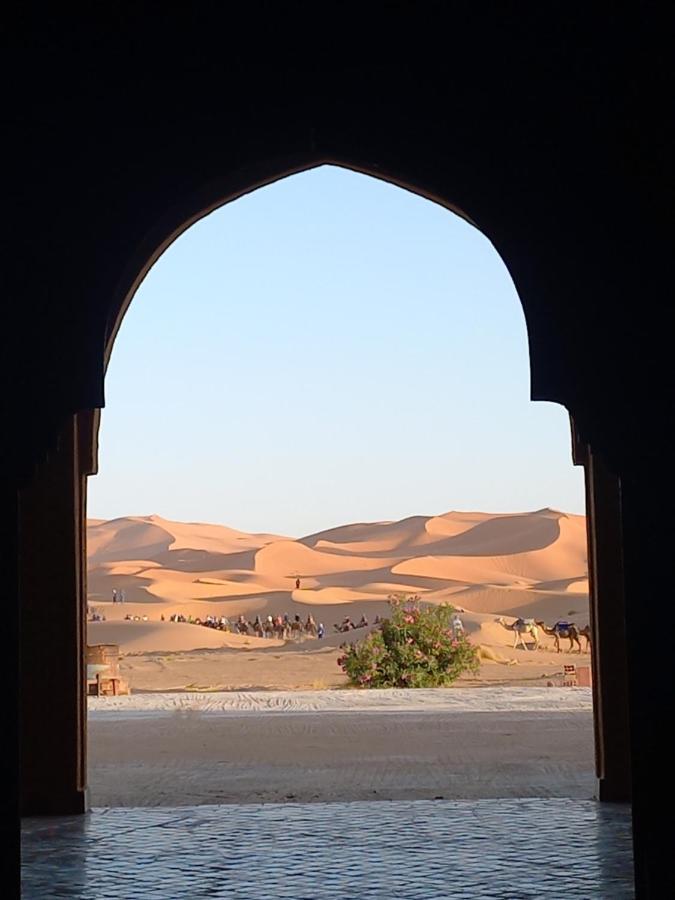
<point x="78" y="458"/>
<point x="538" y="128"/>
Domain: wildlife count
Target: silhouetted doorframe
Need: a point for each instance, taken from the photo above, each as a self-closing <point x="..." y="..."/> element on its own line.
<point x="55" y="783"/>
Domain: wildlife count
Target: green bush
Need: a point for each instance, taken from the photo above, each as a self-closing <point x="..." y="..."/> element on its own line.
<point x="415" y="647"/>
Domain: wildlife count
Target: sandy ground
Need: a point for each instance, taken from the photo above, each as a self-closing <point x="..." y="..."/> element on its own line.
<point x="403" y="700"/>
<point x="291" y="668"/>
<point x="189" y="735"/>
<point x="154" y="750"/>
<point x="489" y="566"/>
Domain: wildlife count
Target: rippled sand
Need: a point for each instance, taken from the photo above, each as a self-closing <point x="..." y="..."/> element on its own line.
<point x="182" y="749"/>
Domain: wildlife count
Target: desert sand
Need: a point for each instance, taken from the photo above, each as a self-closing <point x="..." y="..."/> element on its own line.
<point x="190" y="748"/>
<point x="528" y="564"/>
<point x="216" y="717"/>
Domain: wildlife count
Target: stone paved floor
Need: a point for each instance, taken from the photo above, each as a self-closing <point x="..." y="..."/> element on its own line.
<point x="512" y="849"/>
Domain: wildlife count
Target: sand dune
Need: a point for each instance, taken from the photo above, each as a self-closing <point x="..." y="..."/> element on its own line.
<point x="140" y="637"/>
<point x="531" y="564"/>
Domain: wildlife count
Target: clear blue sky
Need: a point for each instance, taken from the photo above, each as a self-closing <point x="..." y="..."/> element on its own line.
<point x="328" y="349"/>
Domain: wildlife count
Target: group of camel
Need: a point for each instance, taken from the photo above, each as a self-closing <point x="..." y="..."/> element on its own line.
<point x="278" y="626"/>
<point x="286" y="629"/>
<point x="348" y="625"/>
<point x="569" y="630"/>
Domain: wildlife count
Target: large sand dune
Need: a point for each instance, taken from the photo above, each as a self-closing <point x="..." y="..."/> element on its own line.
<point x="531" y="564"/>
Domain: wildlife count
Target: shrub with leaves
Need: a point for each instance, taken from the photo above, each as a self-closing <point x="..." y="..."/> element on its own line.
<point x="415" y="647"/>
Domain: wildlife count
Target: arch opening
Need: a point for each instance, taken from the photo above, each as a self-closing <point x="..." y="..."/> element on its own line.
<point x="476" y="539"/>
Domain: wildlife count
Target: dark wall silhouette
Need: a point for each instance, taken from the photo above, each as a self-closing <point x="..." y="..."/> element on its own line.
<point x="544" y="124"/>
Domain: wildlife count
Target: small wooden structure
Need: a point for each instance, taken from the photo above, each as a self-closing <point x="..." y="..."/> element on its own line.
<point x="103" y="671"/>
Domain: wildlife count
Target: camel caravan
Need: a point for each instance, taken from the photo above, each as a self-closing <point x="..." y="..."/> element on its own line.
<point x="281" y="627"/>
<point x="286" y="629"/>
<point x="561" y="629"/>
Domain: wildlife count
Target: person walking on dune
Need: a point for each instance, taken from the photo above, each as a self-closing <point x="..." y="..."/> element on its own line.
<point x="297" y="584"/>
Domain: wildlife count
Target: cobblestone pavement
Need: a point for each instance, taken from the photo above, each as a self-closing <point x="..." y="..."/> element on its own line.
<point x="512" y="849"/>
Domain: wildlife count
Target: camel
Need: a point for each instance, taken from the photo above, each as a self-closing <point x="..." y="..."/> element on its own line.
<point x="519" y="628"/>
<point x="562" y="630"/>
<point x="281" y="628"/>
<point x="586" y="632"/>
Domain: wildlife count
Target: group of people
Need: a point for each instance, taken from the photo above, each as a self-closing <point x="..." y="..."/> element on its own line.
<point x="348" y="625"/>
<point x="222" y="623"/>
<point x="279" y="626"/>
<point x="282" y="627"/>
